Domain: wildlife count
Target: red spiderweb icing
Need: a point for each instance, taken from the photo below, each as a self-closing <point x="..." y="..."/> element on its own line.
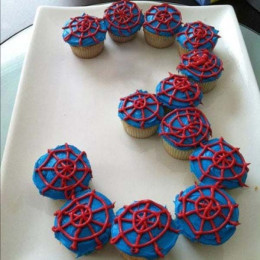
<point x="139" y="101"/>
<point x="163" y="17"/>
<point x="82" y="216"/>
<point x="207" y="208"/>
<point x="177" y="84"/>
<point x="121" y="16"/>
<point x="201" y="63"/>
<point x="193" y="125"/>
<point x="65" y="170"/>
<point x="222" y="160"/>
<point x="83" y="27"/>
<point x="143" y="221"/>
<point x="198" y="34"/>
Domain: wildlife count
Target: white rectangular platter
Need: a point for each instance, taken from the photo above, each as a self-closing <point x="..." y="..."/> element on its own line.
<point x="62" y="98"/>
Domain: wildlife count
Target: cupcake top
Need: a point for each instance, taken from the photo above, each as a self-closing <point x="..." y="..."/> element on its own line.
<point x="206" y="214"/>
<point x="197" y="35"/>
<point x="144" y="229"/>
<point x="123" y="18"/>
<point x="62" y="172"/>
<point x="140" y="109"/>
<point x="218" y="162"/>
<point x="84" y="31"/>
<point x="185" y="128"/>
<point x="201" y="66"/>
<point x="83" y="224"/>
<point x="177" y="91"/>
<point x="163" y="19"/>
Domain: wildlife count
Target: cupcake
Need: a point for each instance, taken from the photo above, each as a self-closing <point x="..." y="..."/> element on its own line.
<point x="141" y="114"/>
<point x="85" y="34"/>
<point x="218" y="162"/>
<point x="83" y="224"/>
<point x="196" y="35"/>
<point x="177" y="91"/>
<point x="62" y="172"/>
<point x="201" y="66"/>
<point x="161" y="22"/>
<point x="143" y="230"/>
<point x="206" y="214"/>
<point x="182" y="130"/>
<point x="123" y="19"/>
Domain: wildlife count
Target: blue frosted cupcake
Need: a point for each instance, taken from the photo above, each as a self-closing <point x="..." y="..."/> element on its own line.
<point x="196" y="35"/>
<point x="143" y="230"/>
<point x="62" y="172"/>
<point x="141" y="114"/>
<point x="161" y="23"/>
<point x="182" y="130"/>
<point x="85" y="34"/>
<point x="177" y="91"/>
<point x="123" y="19"/>
<point x="206" y="214"/>
<point x="83" y="224"/>
<point x="218" y="162"/>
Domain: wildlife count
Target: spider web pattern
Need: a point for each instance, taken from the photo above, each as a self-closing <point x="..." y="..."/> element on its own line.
<point x="82" y="216"/>
<point x="139" y="101"/>
<point x="222" y="160"/>
<point x="83" y="27"/>
<point x="65" y="170"/>
<point x="143" y="219"/>
<point x="121" y="16"/>
<point x="207" y="208"/>
<point x="163" y="17"/>
<point x="201" y="63"/>
<point x="174" y="84"/>
<point x="194" y="127"/>
<point x="198" y="34"/>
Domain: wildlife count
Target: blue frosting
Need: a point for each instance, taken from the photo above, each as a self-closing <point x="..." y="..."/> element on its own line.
<point x="160" y="27"/>
<point x="49" y="174"/>
<point x="212" y="216"/>
<point x="150" y="118"/>
<point x="129" y="27"/>
<point x="99" y="201"/>
<point x="165" y="242"/>
<point x="95" y="34"/>
<point x="234" y="161"/>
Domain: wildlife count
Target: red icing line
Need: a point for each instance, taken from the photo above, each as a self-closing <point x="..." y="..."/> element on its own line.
<point x="81" y="26"/>
<point x="195" y="127"/>
<point x="164" y="17"/>
<point x="198" y="34"/>
<point x="65" y="169"/>
<point x="202" y="61"/>
<point x="143" y="221"/>
<point x="121" y="16"/>
<point x="223" y="160"/>
<point x="141" y="103"/>
<point x="82" y="216"/>
<point x="204" y="207"/>
<point x="182" y="84"/>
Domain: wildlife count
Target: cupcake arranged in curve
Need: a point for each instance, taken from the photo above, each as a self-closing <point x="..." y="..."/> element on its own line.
<point x="177" y="91"/>
<point x="123" y="19"/>
<point x="201" y="66"/>
<point x="196" y="35"/>
<point x="143" y="230"/>
<point x="85" y="34"/>
<point x="83" y="224"/>
<point x="141" y="114"/>
<point x="218" y="162"/>
<point x="182" y="130"/>
<point x="206" y="214"/>
<point x="62" y="172"/>
<point x="161" y="22"/>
